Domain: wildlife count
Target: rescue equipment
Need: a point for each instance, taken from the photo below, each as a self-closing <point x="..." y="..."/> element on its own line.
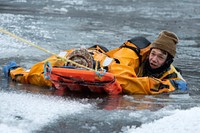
<point x="82" y="80"/>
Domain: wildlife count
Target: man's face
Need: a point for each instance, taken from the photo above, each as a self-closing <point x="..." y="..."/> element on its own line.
<point x="157" y="58"/>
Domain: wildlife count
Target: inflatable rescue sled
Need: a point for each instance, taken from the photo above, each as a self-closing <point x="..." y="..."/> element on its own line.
<point x="67" y="78"/>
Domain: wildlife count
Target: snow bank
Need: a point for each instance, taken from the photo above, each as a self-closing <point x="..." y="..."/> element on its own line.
<point x="182" y="121"/>
<point x="29" y="112"/>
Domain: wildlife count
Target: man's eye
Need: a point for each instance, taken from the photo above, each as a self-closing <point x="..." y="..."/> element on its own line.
<point x="161" y="57"/>
<point x="153" y="54"/>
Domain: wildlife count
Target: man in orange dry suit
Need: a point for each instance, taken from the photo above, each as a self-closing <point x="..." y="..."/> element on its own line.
<point x="149" y="69"/>
<point x="139" y="66"/>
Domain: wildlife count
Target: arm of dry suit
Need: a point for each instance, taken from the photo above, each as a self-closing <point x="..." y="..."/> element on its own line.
<point x="144" y="85"/>
<point x="130" y="83"/>
<point x="147" y="85"/>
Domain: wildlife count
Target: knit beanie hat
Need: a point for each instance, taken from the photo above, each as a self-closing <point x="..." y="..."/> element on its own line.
<point x="166" y="41"/>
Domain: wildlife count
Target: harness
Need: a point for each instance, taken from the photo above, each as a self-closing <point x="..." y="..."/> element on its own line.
<point x="137" y="44"/>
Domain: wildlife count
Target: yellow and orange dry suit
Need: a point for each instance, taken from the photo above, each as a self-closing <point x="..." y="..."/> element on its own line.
<point x="128" y="72"/>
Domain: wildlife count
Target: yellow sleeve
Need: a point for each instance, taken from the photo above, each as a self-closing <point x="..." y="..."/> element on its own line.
<point x="131" y="84"/>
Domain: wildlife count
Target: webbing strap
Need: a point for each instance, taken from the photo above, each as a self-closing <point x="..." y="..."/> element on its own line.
<point x="136" y="50"/>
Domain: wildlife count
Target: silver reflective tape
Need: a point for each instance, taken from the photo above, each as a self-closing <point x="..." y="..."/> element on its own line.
<point x="62" y="54"/>
<point x="107" y="61"/>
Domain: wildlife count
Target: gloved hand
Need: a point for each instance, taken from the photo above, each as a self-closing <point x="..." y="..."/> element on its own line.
<point x="9" y="66"/>
<point x="179" y="85"/>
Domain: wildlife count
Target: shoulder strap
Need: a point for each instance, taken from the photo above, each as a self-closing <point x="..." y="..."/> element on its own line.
<point x="140" y="42"/>
<point x="137" y="43"/>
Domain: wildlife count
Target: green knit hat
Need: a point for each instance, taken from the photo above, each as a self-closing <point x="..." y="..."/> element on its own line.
<point x="166" y="41"/>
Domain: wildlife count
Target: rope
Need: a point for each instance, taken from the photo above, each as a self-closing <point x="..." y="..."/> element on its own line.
<point x="40" y="48"/>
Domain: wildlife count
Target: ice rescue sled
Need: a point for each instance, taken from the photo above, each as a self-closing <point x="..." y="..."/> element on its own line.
<point x="82" y="80"/>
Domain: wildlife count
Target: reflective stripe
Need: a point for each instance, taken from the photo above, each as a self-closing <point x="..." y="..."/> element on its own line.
<point x="27" y="70"/>
<point x="62" y="54"/>
<point x="107" y="61"/>
<point x="180" y="76"/>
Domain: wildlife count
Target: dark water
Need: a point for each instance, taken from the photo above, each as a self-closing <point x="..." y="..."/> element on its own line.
<point x="59" y="24"/>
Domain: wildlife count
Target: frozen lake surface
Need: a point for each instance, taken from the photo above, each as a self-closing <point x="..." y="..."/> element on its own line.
<point x="63" y="24"/>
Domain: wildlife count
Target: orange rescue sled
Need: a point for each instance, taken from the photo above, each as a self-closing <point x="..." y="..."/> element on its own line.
<point x="83" y="80"/>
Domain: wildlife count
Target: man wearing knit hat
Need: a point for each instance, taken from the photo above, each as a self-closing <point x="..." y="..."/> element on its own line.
<point x="163" y="51"/>
<point x="166" y="41"/>
<point x="139" y="66"/>
<point x="151" y="71"/>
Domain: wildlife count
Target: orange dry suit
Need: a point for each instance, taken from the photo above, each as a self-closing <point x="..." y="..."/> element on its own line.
<point x="128" y="68"/>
